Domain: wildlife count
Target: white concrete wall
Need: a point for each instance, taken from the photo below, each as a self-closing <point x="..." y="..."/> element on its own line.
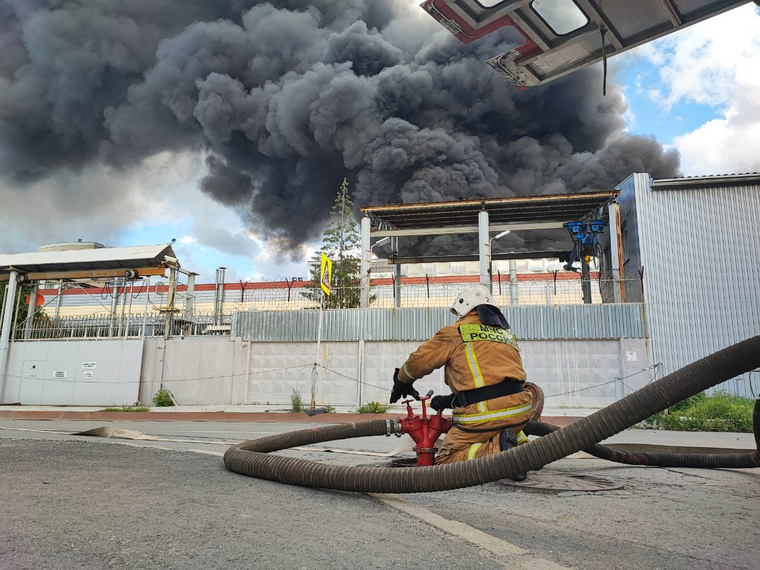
<point x="574" y="374"/>
<point x="81" y="373"/>
<point x="196" y="370"/>
<point x="586" y="374"/>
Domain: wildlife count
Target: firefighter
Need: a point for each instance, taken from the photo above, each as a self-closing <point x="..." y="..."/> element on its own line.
<point x="482" y="366"/>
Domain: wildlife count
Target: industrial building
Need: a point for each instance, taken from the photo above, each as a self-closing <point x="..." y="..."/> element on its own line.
<point x="673" y="278"/>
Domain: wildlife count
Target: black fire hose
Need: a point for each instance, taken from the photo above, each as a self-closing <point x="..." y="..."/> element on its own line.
<point x="252" y="457"/>
<point x="656" y="459"/>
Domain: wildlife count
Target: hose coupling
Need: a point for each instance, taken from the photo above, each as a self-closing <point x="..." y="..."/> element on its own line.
<point x="392" y="427"/>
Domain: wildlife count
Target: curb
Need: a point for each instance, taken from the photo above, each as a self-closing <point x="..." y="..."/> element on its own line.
<point x="252" y="417"/>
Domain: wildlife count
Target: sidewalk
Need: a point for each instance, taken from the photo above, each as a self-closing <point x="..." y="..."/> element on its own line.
<point x="215" y="413"/>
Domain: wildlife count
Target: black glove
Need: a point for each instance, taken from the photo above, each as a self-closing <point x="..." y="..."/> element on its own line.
<point x="439" y="403"/>
<point x="401" y="389"/>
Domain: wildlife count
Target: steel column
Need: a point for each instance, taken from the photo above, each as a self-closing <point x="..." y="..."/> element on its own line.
<point x="396" y="275"/>
<point x="484" y="249"/>
<point x="30" y="308"/>
<point x="189" y="304"/>
<point x="513" y="282"/>
<point x="366" y="261"/>
<point x="616" y="254"/>
<point x="58" y="299"/>
<point x="5" y="329"/>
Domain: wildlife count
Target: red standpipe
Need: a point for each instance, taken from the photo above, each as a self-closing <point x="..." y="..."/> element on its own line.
<point x="424" y="431"/>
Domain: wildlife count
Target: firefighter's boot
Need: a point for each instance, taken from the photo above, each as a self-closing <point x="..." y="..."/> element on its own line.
<point x="508" y="440"/>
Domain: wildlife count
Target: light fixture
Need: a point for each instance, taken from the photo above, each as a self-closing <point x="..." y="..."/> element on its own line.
<point x="381" y="242"/>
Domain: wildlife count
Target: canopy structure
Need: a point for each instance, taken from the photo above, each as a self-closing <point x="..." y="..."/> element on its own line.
<point x="71" y="265"/>
<point x="561" y="36"/>
<point x="477" y="216"/>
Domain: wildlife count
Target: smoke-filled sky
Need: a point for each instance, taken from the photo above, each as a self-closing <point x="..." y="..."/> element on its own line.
<point x="229" y="125"/>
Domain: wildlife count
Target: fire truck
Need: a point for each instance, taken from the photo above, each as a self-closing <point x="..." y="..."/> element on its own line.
<point x="561" y="36"/>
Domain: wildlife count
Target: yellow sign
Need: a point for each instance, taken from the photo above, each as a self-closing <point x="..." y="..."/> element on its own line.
<point x="326" y="274"/>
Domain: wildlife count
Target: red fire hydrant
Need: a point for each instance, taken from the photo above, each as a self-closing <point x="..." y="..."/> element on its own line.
<point x="424" y="431"/>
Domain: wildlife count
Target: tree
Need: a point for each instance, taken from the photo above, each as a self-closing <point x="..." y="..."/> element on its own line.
<point x="23" y="307"/>
<point x="342" y="244"/>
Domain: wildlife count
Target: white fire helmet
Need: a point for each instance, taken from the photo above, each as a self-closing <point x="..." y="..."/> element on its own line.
<point x="470" y="298"/>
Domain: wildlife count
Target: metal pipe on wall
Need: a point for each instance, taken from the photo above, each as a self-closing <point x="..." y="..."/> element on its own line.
<point x="114" y="305"/>
<point x="219" y="296"/>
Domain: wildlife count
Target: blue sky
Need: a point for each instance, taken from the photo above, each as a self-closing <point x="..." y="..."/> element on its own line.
<point x="697" y="91"/>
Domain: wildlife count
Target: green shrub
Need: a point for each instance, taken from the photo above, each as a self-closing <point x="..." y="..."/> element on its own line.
<point x="373" y="408"/>
<point x="163" y="399"/>
<point x="719" y="412"/>
<point x="688" y="402"/>
<point x="127" y="409"/>
<point x="296" y="402"/>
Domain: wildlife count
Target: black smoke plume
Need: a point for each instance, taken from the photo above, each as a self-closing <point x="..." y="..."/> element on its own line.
<point x="288" y="97"/>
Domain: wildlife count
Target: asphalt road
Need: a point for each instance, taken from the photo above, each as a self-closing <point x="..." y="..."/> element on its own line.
<point x="82" y="502"/>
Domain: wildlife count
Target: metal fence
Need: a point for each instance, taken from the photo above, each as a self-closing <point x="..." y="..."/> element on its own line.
<point x="93" y="327"/>
<point x="537" y="322"/>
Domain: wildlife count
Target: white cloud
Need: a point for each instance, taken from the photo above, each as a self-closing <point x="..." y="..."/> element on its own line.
<point x="714" y="63"/>
<point x="710" y="62"/>
<point x="725" y="145"/>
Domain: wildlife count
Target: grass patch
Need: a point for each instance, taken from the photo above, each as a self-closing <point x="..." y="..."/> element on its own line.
<point x="719" y="412"/>
<point x="373" y="408"/>
<point x="127" y="409"/>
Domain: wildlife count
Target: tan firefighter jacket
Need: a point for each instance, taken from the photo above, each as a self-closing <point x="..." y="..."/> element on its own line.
<point x="474" y="355"/>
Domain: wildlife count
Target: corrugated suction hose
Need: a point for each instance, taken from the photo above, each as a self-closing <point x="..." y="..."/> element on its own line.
<point x="252" y="457"/>
<point x="657" y="459"/>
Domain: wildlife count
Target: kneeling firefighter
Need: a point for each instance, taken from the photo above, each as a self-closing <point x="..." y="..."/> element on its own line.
<point x="482" y="367"/>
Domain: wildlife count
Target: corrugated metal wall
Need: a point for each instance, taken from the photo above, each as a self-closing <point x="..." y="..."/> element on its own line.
<point x="700" y="248"/>
<point x="530" y="323"/>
